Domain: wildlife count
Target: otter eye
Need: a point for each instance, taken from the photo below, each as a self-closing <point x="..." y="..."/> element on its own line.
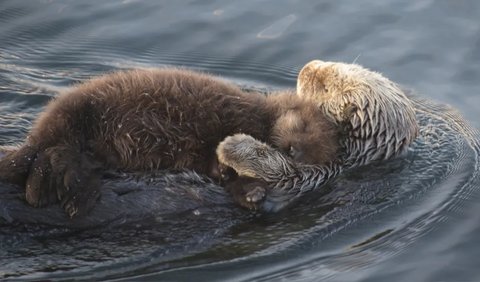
<point x="292" y="151"/>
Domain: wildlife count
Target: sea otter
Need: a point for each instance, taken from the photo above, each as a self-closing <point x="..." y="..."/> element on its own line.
<point x="151" y="119"/>
<point x="373" y="111"/>
<point x="377" y="120"/>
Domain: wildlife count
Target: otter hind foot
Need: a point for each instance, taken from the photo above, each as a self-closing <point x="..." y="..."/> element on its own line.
<point x="40" y="191"/>
<point x="80" y="192"/>
<point x="247" y="192"/>
<point x="61" y="173"/>
<point x="15" y="164"/>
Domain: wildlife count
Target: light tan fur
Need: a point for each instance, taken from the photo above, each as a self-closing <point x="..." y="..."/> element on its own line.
<point x="377" y="117"/>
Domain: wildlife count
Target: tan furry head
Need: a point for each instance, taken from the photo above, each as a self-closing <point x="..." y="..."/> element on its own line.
<point x="377" y="118"/>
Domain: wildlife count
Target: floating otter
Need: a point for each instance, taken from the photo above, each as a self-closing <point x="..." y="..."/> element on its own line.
<point x="151" y="119"/>
<point x="377" y="119"/>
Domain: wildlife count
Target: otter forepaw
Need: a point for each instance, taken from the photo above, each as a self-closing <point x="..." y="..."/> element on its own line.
<point x="252" y="158"/>
<point x="255" y="195"/>
<point x="227" y="174"/>
<point x="15" y="163"/>
<point x="247" y="192"/>
<point x="238" y="151"/>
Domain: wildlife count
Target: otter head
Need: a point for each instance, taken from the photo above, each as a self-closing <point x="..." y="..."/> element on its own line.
<point x="376" y="116"/>
<point x="303" y="133"/>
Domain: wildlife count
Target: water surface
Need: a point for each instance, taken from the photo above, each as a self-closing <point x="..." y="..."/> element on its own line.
<point x="416" y="218"/>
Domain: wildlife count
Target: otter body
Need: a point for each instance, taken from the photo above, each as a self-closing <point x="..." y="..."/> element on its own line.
<point x="144" y="120"/>
<point x="377" y="120"/>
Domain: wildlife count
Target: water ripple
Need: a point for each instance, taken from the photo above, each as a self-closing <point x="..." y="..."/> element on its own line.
<point x="384" y="208"/>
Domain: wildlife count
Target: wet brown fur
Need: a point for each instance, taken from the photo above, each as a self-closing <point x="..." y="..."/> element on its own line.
<point x="150" y="119"/>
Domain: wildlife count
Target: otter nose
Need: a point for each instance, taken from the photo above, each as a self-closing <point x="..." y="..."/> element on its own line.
<point x="296" y="154"/>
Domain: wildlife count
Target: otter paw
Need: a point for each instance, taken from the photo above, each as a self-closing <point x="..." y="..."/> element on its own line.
<point x="252" y="158"/>
<point x="62" y="174"/>
<point x="77" y="182"/>
<point x="243" y="153"/>
<point x="40" y="189"/>
<point x="238" y="152"/>
<point x="256" y="194"/>
<point x="79" y="192"/>
<point x="227" y="174"/>
<point x="247" y="192"/>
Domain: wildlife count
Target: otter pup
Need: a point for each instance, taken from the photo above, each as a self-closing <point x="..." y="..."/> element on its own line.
<point x="377" y="120"/>
<point x="151" y="119"/>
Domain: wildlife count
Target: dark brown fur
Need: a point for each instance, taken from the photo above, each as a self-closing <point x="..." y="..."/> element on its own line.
<point x="150" y="119"/>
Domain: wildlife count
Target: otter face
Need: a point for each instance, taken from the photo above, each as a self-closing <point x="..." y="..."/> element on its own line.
<point x="305" y="136"/>
<point x="330" y="85"/>
<point x="374" y="112"/>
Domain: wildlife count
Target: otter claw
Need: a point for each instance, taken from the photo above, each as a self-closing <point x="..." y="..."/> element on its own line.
<point x="255" y="195"/>
<point x="226" y="173"/>
<point x="70" y="209"/>
<point x="247" y="192"/>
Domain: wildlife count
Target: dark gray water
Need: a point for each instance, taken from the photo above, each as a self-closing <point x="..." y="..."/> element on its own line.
<point x="416" y="218"/>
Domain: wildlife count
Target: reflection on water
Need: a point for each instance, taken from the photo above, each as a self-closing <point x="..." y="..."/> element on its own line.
<point x="277" y="28"/>
<point x="415" y="218"/>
